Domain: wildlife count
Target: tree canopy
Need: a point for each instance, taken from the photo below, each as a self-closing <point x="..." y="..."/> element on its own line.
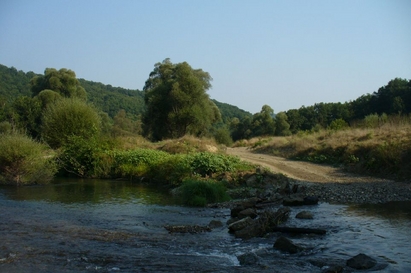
<point x="62" y="81"/>
<point x="177" y="102"/>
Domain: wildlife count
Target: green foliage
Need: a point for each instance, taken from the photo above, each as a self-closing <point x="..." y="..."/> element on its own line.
<point x="137" y="163"/>
<point x="177" y="103"/>
<point x="106" y="98"/>
<point x="222" y="136"/>
<point x="5" y="127"/>
<point x="62" y="81"/>
<point x="14" y="83"/>
<point x="199" y="193"/>
<point x="25" y="161"/>
<point x="338" y="124"/>
<point x="282" y="127"/>
<point x="67" y="118"/>
<point x="113" y="99"/>
<point x="206" y="163"/>
<point x="79" y="156"/>
<point x="47" y="97"/>
<point x="27" y="115"/>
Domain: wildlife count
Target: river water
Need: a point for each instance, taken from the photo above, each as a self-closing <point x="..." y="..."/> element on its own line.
<point x="112" y="226"/>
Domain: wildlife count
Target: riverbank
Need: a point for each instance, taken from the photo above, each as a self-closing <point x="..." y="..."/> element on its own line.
<point x="330" y="184"/>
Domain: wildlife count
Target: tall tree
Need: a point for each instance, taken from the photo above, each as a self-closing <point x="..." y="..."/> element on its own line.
<point x="177" y="102"/>
<point x="282" y="127"/>
<point x="62" y="81"/>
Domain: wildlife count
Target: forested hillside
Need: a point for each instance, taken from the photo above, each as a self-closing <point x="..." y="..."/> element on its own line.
<point x="110" y="99"/>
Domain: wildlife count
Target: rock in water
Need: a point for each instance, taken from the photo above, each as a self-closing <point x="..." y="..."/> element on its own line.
<point x="304" y="215"/>
<point x="215" y="224"/>
<point x="361" y="261"/>
<point x="240" y="224"/>
<point x="248" y="258"/>
<point x="287" y="245"/>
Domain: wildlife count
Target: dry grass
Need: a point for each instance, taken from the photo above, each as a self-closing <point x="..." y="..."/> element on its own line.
<point x="383" y="151"/>
<point x="133" y="142"/>
<point x="189" y="144"/>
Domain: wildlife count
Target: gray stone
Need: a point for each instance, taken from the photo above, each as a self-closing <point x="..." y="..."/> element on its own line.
<point x="215" y="224"/>
<point x="240" y="224"/>
<point x="293" y="201"/>
<point x="304" y="215"/>
<point x="286" y="245"/>
<point x="361" y="261"/>
<point x="249" y="231"/>
<point x="249" y="258"/>
<point x="248" y="213"/>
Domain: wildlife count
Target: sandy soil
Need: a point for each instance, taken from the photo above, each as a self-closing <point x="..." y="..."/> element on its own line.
<point x="300" y="170"/>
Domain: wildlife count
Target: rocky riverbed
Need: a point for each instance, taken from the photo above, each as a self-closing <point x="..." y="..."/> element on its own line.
<point x="359" y="192"/>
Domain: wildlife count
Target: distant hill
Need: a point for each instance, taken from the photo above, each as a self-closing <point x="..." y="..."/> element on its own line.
<point x="15" y="83"/>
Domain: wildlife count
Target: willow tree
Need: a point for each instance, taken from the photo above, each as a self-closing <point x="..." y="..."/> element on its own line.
<point x="62" y="81"/>
<point x="177" y="102"/>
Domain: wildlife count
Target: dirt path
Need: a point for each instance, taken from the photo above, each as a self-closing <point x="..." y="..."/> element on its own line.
<point x="299" y="170"/>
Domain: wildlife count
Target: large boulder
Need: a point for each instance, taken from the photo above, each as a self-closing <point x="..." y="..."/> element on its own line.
<point x="250" y="231"/>
<point x="245" y="204"/>
<point x="286" y="245"/>
<point x="240" y="224"/>
<point x="361" y="261"/>
<point x="250" y="212"/>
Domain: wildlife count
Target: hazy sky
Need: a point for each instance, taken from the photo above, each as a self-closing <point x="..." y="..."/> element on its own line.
<point x="282" y="53"/>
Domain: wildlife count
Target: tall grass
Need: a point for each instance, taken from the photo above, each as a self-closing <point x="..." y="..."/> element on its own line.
<point x="25" y="161"/>
<point x="199" y="193"/>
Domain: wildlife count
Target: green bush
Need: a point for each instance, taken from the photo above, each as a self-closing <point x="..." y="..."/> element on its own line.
<point x="137" y="163"/>
<point x="173" y="170"/>
<point x="80" y="156"/>
<point x="199" y="193"/>
<point x="338" y="124"/>
<point x="25" y="161"/>
<point x="222" y="136"/>
<point x="67" y="118"/>
<point x="206" y="163"/>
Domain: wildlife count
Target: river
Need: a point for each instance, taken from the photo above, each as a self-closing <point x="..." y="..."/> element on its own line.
<point x="118" y="226"/>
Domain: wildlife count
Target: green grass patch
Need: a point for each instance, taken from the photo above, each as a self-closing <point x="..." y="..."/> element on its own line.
<point x="199" y="193"/>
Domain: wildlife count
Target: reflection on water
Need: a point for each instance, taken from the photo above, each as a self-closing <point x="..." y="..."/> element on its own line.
<point x="105" y="226"/>
<point x="92" y="191"/>
<point x="392" y="210"/>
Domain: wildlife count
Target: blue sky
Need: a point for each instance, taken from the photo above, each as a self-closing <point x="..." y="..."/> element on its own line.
<point x="285" y="54"/>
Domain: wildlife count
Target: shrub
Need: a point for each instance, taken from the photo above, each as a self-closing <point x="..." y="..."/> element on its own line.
<point x="80" y="156"/>
<point x="136" y="163"/>
<point x="338" y="124"/>
<point x="199" y="193"/>
<point x="25" y="161"/>
<point x="222" y="136"/>
<point x="67" y="118"/>
<point x="206" y="163"/>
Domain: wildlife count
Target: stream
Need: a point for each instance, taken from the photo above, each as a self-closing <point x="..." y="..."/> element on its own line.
<point x="118" y="226"/>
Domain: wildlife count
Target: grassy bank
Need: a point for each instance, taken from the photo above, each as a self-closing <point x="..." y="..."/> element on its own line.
<point x="383" y="151"/>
